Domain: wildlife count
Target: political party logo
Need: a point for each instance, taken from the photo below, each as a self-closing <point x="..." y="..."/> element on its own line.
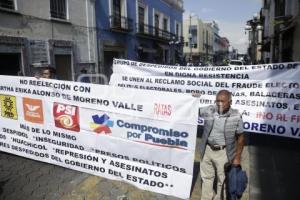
<point x="33" y="110"/>
<point x="66" y="116"/>
<point x="101" y="124"/>
<point x="8" y="107"/>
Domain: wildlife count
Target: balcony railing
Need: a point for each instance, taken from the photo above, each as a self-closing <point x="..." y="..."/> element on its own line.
<point x="153" y="32"/>
<point x="122" y="24"/>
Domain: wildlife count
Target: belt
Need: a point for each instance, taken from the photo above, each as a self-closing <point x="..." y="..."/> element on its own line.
<point x="216" y="147"/>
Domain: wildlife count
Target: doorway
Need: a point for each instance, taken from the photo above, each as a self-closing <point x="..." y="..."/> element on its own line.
<point x="108" y="61"/>
<point x="63" y="67"/>
<point x="10" y="64"/>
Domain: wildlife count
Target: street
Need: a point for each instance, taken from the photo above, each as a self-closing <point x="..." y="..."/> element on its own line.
<point x="23" y="179"/>
<point x="109" y="92"/>
<point x="274" y="167"/>
<point x="273" y="162"/>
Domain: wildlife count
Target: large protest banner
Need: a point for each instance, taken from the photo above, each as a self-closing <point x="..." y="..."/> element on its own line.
<point x="267" y="95"/>
<point x="146" y="139"/>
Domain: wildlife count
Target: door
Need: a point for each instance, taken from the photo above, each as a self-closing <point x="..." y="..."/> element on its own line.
<point x="10" y="63"/>
<point x="63" y="67"/>
<point x="108" y="61"/>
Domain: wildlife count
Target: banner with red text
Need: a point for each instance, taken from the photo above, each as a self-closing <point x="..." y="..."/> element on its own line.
<point x="145" y="139"/>
<point x="267" y="95"/>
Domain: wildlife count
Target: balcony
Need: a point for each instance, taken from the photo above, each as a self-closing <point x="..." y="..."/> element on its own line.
<point x="145" y="30"/>
<point x="120" y="24"/>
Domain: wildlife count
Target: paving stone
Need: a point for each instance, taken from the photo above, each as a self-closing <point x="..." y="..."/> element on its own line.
<point x="14" y="196"/>
<point x="30" y="187"/>
<point x="4" y="175"/>
<point x="34" y="176"/>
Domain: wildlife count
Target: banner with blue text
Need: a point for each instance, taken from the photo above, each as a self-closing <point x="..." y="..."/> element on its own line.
<point x="267" y="95"/>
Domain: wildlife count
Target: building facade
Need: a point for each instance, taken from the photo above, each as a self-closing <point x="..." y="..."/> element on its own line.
<point x="38" y="33"/>
<point x="255" y="37"/>
<point x="220" y="46"/>
<point x="202" y="41"/>
<point x="280" y="21"/>
<point x="142" y="30"/>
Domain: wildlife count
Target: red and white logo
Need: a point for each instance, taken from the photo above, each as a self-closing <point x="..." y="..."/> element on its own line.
<point x="33" y="110"/>
<point x="66" y="116"/>
<point x="162" y="109"/>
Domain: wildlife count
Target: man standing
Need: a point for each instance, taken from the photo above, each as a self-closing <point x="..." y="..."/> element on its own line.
<point x="46" y="72"/>
<point x="222" y="142"/>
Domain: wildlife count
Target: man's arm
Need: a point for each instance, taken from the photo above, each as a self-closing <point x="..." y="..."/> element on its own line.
<point x="239" y="149"/>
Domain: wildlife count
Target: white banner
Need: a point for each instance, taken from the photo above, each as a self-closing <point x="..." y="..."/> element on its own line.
<point x="239" y="72"/>
<point x="268" y="98"/>
<point x="146" y="139"/>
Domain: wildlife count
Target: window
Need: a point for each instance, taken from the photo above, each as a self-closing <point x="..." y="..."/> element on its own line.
<point x="178" y="29"/>
<point x="156" y="24"/>
<point x="116" y="12"/>
<point x="8" y="4"/>
<point x="141" y="19"/>
<point x="279" y="8"/>
<point x="58" y="9"/>
<point x="165" y="24"/>
<point x="118" y="15"/>
<point x="194" y="33"/>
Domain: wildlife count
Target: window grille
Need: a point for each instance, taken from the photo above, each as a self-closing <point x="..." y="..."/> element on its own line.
<point x="58" y="9"/>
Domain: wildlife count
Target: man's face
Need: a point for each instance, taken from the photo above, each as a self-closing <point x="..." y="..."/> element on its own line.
<point x="46" y="73"/>
<point x="223" y="103"/>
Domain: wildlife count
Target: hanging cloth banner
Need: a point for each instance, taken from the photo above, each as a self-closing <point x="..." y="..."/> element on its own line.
<point x="237" y="72"/>
<point x="267" y="95"/>
<point x="145" y="139"/>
